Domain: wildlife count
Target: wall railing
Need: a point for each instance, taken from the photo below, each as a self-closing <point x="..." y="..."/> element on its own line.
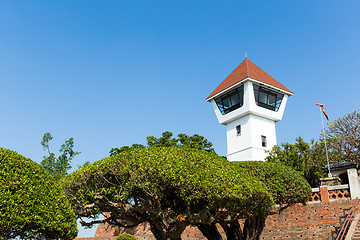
<point x="330" y="193"/>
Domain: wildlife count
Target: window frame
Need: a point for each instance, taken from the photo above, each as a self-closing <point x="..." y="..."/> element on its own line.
<point x="233" y="95"/>
<point x="261" y="92"/>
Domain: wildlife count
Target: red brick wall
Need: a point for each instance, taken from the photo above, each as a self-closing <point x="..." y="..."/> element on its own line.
<point x="141" y="232"/>
<point x="311" y="221"/>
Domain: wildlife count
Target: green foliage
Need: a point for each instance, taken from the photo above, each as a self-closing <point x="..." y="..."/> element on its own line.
<point x="125" y="148"/>
<point x="195" y="141"/>
<point x="87" y="163"/>
<point x="169" y="186"/>
<point x="303" y="157"/>
<point x="59" y="166"/>
<point x="166" y="140"/>
<point x="343" y="138"/>
<point x="126" y="236"/>
<point x="284" y="183"/>
<point x="32" y="206"/>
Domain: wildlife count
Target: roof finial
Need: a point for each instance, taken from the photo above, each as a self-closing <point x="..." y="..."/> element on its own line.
<point x="245" y="54"/>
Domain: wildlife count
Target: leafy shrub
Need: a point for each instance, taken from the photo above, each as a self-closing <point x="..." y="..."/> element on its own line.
<point x="126" y="236"/>
<point x="32" y="205"/>
<point x="285" y="184"/>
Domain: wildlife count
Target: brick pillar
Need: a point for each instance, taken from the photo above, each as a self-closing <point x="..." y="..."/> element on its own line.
<point x="324" y="194"/>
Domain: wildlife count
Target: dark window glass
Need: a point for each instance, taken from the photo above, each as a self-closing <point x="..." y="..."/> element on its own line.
<point x="263" y="141"/>
<point x="235" y="99"/>
<point x="263" y="97"/>
<point x="231" y="101"/>
<point x="238" y="130"/>
<point x="271" y="99"/>
<point x="267" y="98"/>
<point x="226" y="103"/>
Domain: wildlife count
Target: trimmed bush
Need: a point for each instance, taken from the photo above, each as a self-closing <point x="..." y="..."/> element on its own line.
<point x="32" y="205"/>
<point x="126" y="236"/>
<point x="285" y="184"/>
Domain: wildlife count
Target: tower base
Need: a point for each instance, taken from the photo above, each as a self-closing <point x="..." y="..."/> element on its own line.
<point x="248" y="154"/>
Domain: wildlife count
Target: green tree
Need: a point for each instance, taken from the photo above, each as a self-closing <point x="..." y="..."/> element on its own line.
<point x="343" y="137"/>
<point x="286" y="186"/>
<point x="125" y="148"/>
<point x="32" y="205"/>
<point x="303" y="157"/>
<point x="58" y="166"/>
<point x="167" y="140"/>
<point x="168" y="187"/>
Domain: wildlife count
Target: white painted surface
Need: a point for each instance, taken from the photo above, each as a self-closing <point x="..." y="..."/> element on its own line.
<point x="255" y="122"/>
<point x="248" y="146"/>
<point x="354" y="183"/>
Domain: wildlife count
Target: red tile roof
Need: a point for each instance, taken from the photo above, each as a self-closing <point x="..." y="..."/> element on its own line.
<point x="247" y="69"/>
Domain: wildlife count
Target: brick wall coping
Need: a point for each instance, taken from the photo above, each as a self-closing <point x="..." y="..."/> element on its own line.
<point x="338" y="187"/>
<point x="325" y="194"/>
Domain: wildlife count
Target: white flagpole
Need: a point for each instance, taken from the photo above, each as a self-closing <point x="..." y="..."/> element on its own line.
<point x="327" y="157"/>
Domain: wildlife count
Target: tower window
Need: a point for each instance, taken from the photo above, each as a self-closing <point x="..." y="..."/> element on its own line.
<point x="231" y="101"/>
<point x="266" y="98"/>
<point x="263" y="141"/>
<point x="238" y="130"/>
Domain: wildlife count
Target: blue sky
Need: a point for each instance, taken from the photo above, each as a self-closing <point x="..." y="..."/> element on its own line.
<point x="110" y="73"/>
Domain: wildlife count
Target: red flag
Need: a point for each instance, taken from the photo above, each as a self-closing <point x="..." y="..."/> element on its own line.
<point x="323" y="110"/>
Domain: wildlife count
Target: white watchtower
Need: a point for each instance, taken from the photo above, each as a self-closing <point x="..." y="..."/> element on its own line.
<point x="249" y="102"/>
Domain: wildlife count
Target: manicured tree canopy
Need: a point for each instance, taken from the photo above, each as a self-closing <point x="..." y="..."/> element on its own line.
<point x="286" y="185"/>
<point x="307" y="158"/>
<point x="32" y="206"/>
<point x="170" y="187"/>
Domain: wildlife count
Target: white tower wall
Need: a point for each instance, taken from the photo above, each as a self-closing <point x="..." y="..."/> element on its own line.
<point x="248" y="145"/>
<point x="250" y="127"/>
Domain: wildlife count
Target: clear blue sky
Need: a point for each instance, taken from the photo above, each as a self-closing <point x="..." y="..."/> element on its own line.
<point x="110" y="73"/>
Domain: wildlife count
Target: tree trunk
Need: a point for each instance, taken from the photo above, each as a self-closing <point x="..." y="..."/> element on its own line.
<point x="253" y="228"/>
<point x="174" y="231"/>
<point x="210" y="231"/>
<point x="232" y="230"/>
<point x="161" y="232"/>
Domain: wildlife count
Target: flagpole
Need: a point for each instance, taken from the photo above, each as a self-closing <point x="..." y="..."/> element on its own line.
<point x="327" y="157"/>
